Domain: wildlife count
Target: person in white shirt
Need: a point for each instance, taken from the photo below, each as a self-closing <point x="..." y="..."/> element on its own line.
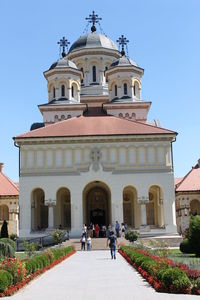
<point x="89" y="243"/>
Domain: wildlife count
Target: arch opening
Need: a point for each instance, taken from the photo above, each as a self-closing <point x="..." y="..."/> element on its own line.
<point x="39" y="211"/>
<point x="154" y="208"/>
<point x="131" y="209"/>
<point x="97" y="204"/>
<point x="62" y="211"/>
<point x="195" y="207"/>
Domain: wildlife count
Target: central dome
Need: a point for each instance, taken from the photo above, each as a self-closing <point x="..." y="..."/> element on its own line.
<point x="93" y="40"/>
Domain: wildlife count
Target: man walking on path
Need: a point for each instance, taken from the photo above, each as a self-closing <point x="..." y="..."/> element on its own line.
<point x="112" y="240"/>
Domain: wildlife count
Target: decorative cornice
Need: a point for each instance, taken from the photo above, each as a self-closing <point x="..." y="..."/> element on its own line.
<point x="93" y="52"/>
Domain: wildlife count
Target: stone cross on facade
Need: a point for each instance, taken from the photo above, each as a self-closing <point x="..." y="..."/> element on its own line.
<point x="95" y="156"/>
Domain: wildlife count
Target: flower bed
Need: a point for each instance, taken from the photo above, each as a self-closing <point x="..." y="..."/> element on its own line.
<point x="15" y="274"/>
<point x="163" y="274"/>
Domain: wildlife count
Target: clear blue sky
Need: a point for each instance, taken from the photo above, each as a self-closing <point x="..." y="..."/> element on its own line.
<point x="164" y="40"/>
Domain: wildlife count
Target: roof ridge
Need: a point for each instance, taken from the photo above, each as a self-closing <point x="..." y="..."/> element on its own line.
<point x="145" y="124"/>
<point x="183" y="179"/>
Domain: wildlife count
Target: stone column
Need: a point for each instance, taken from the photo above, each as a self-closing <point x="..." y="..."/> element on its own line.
<point x="143" y="215"/>
<point x="76" y="211"/>
<point x="116" y="204"/>
<point x="169" y="208"/>
<point x="50" y="218"/>
<point x="101" y="77"/>
<point x="25" y="212"/>
<point x="50" y="203"/>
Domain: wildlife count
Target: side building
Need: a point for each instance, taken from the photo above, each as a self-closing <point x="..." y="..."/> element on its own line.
<point x="187" y="191"/>
<point x="9" y="202"/>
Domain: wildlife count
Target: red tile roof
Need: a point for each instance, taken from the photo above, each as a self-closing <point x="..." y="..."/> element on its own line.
<point x="191" y="182"/>
<point x="7" y="186"/>
<point x="177" y="180"/>
<point x="95" y="126"/>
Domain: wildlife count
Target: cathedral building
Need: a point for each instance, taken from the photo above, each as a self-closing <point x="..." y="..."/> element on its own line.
<point x="95" y="158"/>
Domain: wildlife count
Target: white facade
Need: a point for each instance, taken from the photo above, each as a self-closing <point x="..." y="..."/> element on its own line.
<point x="70" y="180"/>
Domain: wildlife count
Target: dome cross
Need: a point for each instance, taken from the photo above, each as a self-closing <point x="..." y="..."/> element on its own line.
<point x="122" y="40"/>
<point x="63" y="44"/>
<point x="93" y="18"/>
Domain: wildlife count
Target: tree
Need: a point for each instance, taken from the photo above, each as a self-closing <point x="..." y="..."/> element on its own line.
<point x="194" y="234"/>
<point x="4" y="230"/>
<point x="192" y="243"/>
<point x="131" y="235"/>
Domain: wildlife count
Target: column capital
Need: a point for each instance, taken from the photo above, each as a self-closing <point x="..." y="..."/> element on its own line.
<point x="143" y="200"/>
<point x="50" y="202"/>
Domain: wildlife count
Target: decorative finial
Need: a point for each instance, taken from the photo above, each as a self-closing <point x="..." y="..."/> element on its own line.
<point x="63" y="44"/>
<point x="93" y="18"/>
<point x="122" y="41"/>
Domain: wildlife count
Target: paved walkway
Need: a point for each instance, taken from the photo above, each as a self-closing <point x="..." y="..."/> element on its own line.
<point x="92" y="276"/>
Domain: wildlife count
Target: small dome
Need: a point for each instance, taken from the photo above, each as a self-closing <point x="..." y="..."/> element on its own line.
<point x="93" y="40"/>
<point x="63" y="63"/>
<point x="123" y="61"/>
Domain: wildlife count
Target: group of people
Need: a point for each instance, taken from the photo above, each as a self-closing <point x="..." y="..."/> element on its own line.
<point x="103" y="231"/>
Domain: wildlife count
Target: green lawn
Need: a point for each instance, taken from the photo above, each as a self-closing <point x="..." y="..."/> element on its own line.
<point x="189" y="259"/>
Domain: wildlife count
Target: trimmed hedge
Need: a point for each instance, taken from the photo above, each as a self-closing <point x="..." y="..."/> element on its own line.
<point x="163" y="274"/>
<point x="40" y="261"/>
<point x="6" y="279"/>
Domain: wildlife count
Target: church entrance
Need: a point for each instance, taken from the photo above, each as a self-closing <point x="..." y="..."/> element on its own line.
<point x="96" y="204"/>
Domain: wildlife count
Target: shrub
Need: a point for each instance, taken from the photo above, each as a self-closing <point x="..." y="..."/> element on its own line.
<point x="6" y="250"/>
<point x="176" y="279"/>
<point x="194" y="233"/>
<point x="58" y="235"/>
<point x="13" y="236"/>
<point x="5" y="280"/>
<point x="9" y="241"/>
<point x="15" y="267"/>
<point x="49" y="255"/>
<point x="30" y="248"/>
<point x="186" y="246"/>
<point x="30" y="266"/>
<point x="131" y="235"/>
<point x="196" y="284"/>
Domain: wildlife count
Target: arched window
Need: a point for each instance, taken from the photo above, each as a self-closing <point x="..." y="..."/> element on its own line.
<point x="72" y="91"/>
<point x="125" y="89"/>
<point x="115" y="90"/>
<point x="134" y="90"/>
<point x="62" y="90"/>
<point x="4" y="212"/>
<point x="106" y="68"/>
<point x="62" y="117"/>
<point x="54" y="92"/>
<point x="56" y="118"/>
<point x="83" y="75"/>
<point x="126" y="115"/>
<point x="94" y="75"/>
<point x="121" y="115"/>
